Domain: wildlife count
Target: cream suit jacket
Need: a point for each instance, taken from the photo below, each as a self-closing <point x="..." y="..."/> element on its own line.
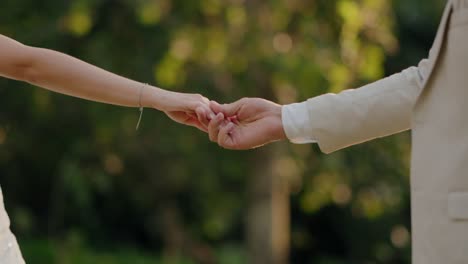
<point x="432" y="100"/>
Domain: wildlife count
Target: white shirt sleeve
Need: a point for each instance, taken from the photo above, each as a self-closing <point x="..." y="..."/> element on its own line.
<point x="295" y="120"/>
<point x="378" y="109"/>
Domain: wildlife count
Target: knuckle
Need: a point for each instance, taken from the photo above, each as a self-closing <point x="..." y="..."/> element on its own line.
<point x="244" y="100"/>
<point x="200" y="97"/>
<point x="198" y="105"/>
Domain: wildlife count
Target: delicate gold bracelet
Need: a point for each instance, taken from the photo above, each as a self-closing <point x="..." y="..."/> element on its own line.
<point x="139" y="104"/>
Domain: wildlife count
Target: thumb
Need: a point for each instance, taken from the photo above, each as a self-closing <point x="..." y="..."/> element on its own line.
<point x="227" y="109"/>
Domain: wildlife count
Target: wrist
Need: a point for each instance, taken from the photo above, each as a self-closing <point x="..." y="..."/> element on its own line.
<point x="278" y="129"/>
<point x="154" y="97"/>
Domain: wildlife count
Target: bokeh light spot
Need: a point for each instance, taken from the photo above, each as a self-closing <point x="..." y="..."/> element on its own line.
<point x="400" y="236"/>
<point x="79" y="23"/>
<point x="113" y="164"/>
<point x="181" y="48"/>
<point x="342" y="194"/>
<point x="282" y="43"/>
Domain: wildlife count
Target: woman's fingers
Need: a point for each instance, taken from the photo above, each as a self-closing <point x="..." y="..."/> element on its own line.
<point x="190" y="119"/>
<point x="195" y="123"/>
<point x="210" y="113"/>
<point x="201" y="116"/>
<point x="204" y="114"/>
<point x="192" y="115"/>
<point x="216" y="107"/>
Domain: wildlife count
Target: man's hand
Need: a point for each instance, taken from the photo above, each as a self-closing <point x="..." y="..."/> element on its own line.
<point x="246" y="124"/>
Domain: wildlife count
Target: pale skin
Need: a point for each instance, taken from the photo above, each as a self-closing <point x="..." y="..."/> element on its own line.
<point x="64" y="74"/>
<point x="246" y="124"/>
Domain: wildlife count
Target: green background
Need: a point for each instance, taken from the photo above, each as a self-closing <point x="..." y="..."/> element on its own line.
<point x="82" y="186"/>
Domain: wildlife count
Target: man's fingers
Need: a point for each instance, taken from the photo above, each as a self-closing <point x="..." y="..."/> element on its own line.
<point x="202" y="116"/>
<point x="225" y="136"/>
<point x="213" y="127"/>
<point x="233" y="119"/>
<point x="197" y="124"/>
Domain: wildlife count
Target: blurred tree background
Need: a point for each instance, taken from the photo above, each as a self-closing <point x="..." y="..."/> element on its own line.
<point x="82" y="186"/>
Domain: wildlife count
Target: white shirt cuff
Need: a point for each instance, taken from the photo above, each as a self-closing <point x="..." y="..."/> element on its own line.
<point x="295" y="122"/>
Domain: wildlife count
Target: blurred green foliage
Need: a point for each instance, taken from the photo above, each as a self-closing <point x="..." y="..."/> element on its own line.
<point x="81" y="186"/>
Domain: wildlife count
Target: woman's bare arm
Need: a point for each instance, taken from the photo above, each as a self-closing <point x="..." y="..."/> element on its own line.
<point x="64" y="74"/>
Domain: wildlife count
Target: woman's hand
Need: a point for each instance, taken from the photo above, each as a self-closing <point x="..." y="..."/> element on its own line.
<point x="188" y="109"/>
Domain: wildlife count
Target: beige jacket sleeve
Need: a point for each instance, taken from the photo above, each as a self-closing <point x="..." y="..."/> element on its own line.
<point x="336" y="121"/>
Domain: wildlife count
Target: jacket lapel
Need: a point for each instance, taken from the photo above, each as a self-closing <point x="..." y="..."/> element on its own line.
<point x="438" y="42"/>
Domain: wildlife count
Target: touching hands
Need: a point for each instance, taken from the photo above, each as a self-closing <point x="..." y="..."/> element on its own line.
<point x="246" y="124"/>
<point x="188" y="109"/>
